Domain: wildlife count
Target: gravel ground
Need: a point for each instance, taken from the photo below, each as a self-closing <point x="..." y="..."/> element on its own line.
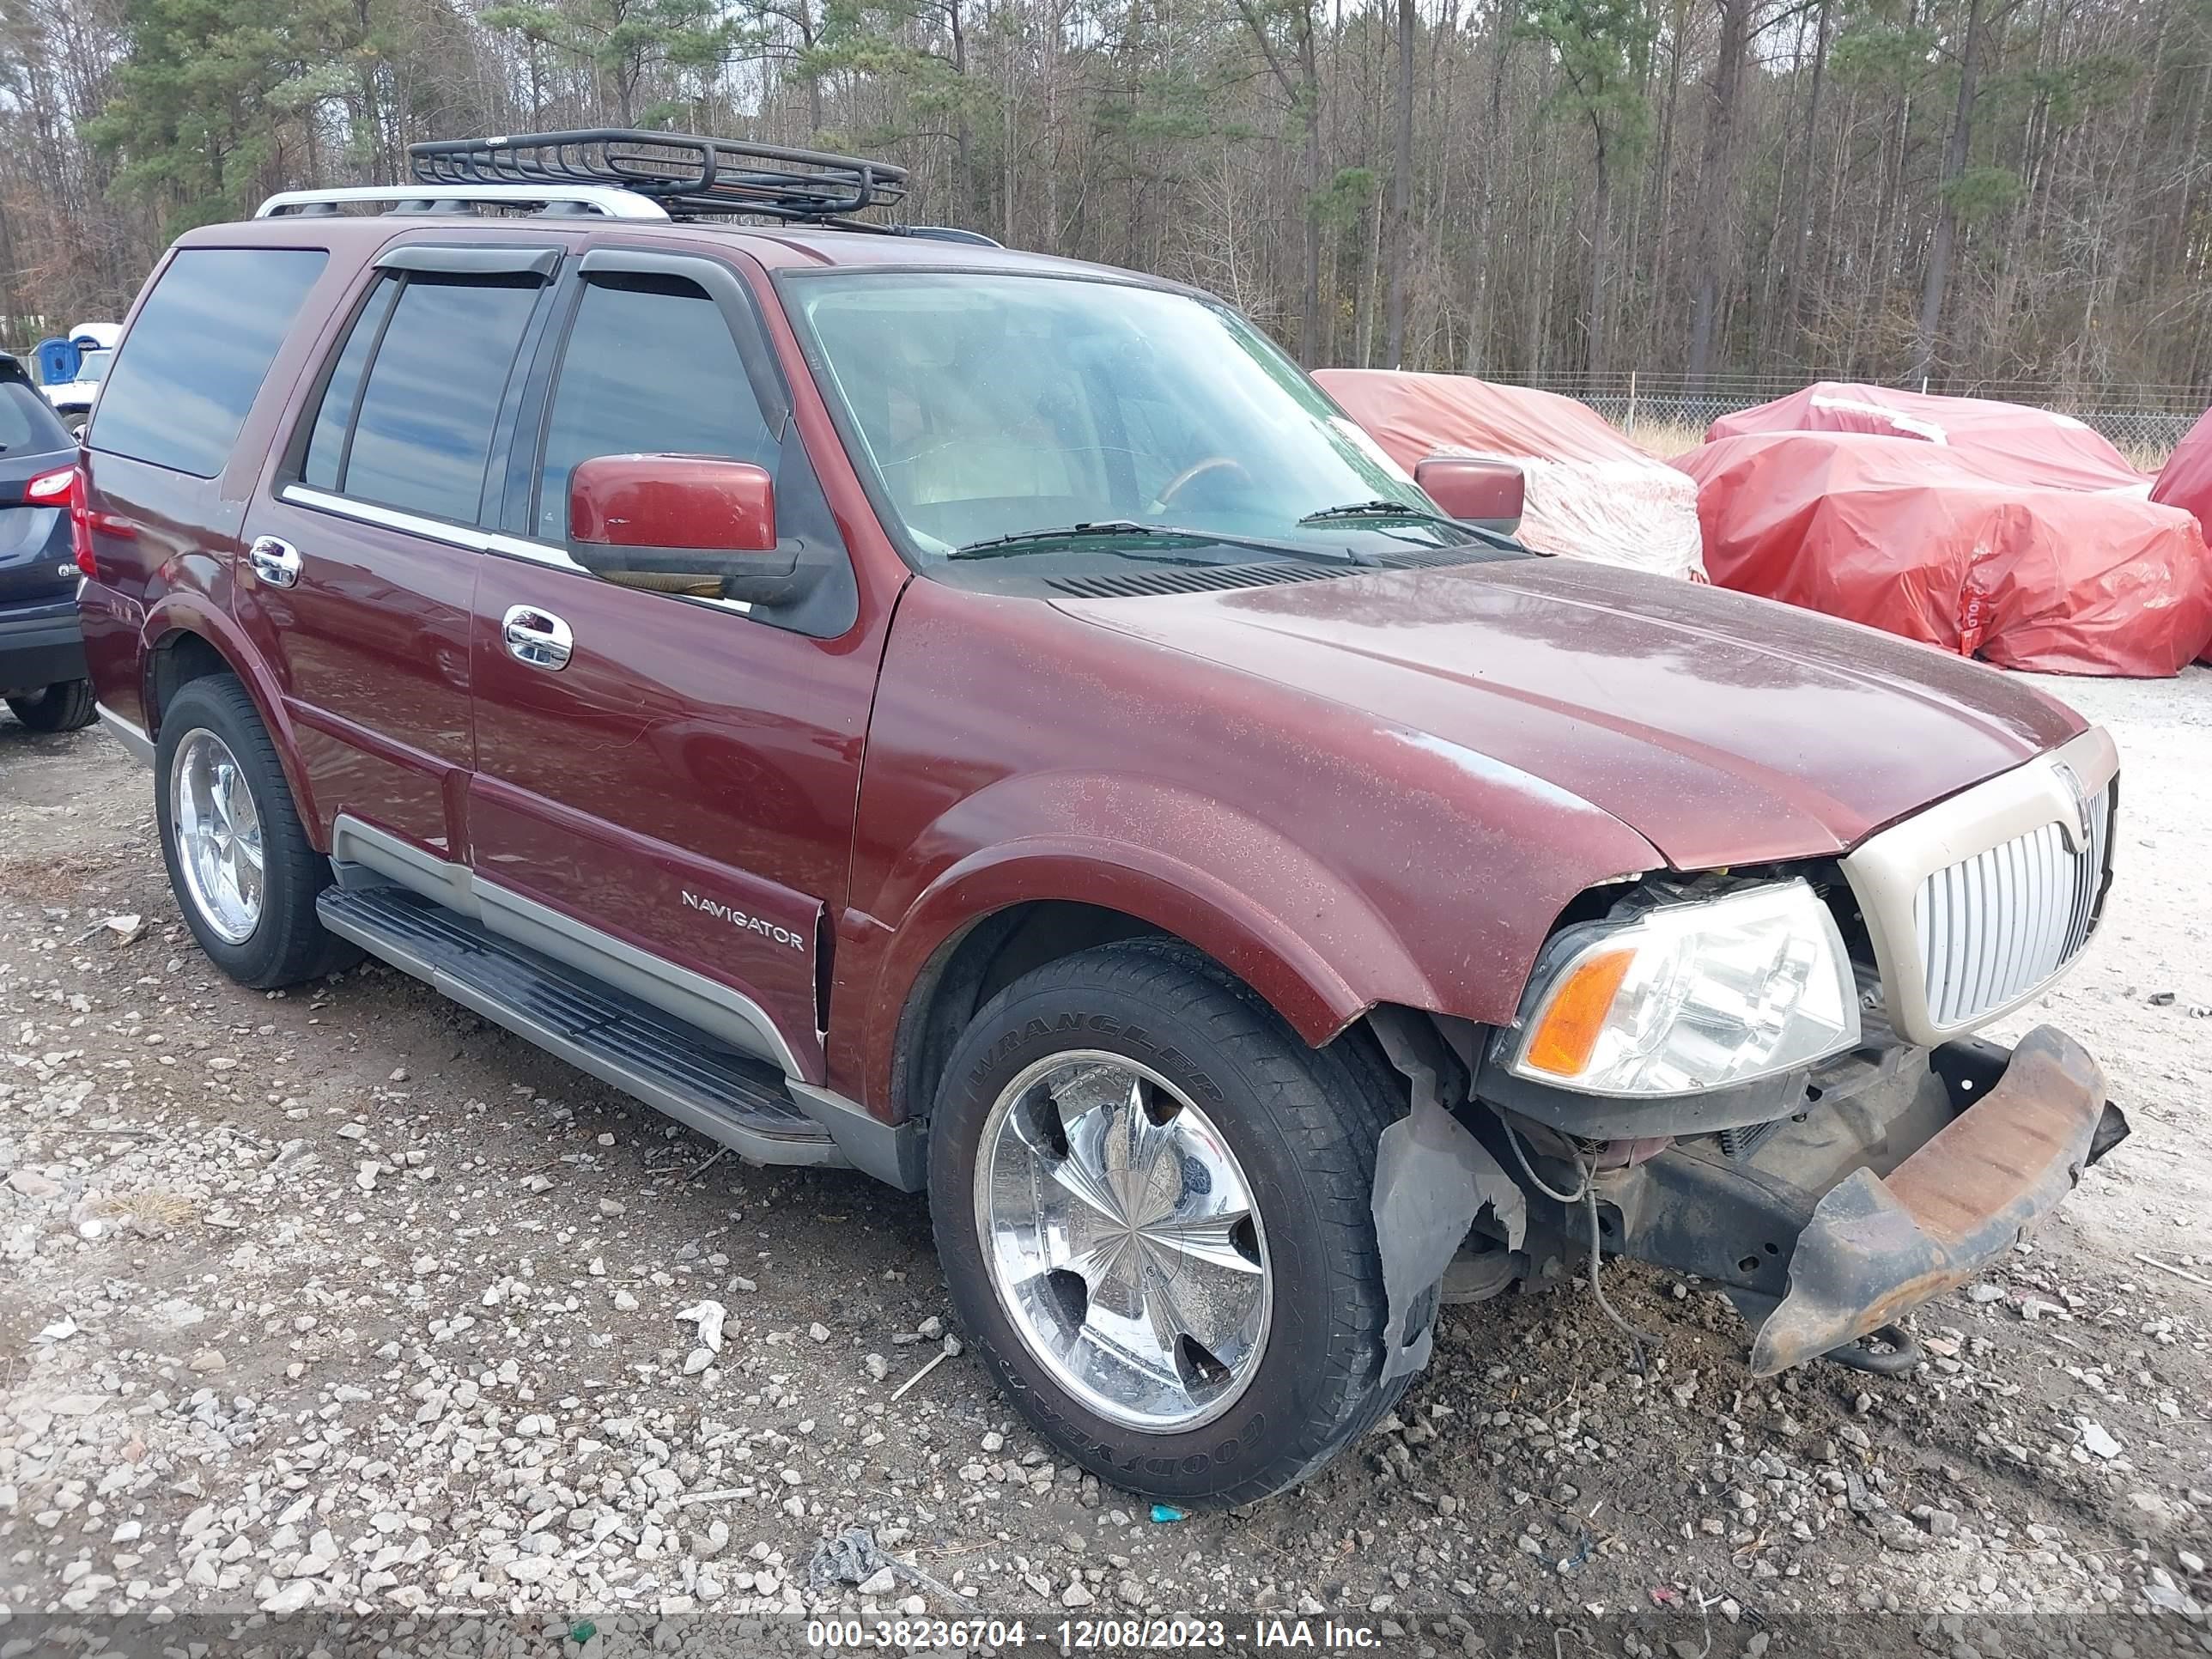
<point x="342" y="1299"/>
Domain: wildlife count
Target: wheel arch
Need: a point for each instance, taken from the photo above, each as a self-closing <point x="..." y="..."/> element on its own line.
<point x="184" y="641"/>
<point x="995" y="916"/>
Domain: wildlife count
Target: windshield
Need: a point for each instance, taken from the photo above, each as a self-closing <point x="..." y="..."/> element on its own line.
<point x="992" y="407"/>
<point x="92" y="366"/>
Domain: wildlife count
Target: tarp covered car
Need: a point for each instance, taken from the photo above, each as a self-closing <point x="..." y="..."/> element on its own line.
<point x="2186" y="482"/>
<point x="1591" y="492"/>
<point x="1916" y="538"/>
<point x="2012" y="442"/>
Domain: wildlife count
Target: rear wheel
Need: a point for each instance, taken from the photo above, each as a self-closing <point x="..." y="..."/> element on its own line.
<point x="241" y="866"/>
<point x="65" y="706"/>
<point x="1152" y="1203"/>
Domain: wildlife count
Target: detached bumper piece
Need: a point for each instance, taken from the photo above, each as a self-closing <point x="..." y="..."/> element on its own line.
<point x="1877" y="1246"/>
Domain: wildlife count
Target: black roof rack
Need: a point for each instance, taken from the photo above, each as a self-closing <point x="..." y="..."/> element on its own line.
<point x="690" y="176"/>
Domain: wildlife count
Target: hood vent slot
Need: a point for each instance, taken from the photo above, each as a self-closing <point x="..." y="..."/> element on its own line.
<point x="1220" y="578"/>
<point x="1124" y="585"/>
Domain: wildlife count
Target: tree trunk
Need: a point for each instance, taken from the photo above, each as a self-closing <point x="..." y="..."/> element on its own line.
<point x="813" y="82"/>
<point x="1662" y="266"/>
<point x="1600" y="321"/>
<point x="1313" y="344"/>
<point x="1716" y="210"/>
<point x="1799" y="253"/>
<point x="1476" y="356"/>
<point x="963" y="140"/>
<point x="1935" y="286"/>
<point x="1402" y="184"/>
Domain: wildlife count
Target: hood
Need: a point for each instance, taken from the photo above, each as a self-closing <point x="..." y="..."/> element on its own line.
<point x="1723" y="728"/>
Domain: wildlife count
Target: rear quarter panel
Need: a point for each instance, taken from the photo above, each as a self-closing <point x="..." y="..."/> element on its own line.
<point x="166" y="543"/>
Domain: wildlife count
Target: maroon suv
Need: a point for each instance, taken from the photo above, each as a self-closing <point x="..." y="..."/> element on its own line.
<point x="992" y="722"/>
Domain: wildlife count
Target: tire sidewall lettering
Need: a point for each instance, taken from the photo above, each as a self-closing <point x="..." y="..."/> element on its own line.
<point x="1133" y="1040"/>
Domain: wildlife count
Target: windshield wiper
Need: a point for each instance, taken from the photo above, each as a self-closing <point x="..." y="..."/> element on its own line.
<point x="1376" y="509"/>
<point x="1037" y="541"/>
<point x="1020" y="540"/>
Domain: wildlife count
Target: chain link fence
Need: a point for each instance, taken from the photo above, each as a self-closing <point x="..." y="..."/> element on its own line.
<point x="1668" y="412"/>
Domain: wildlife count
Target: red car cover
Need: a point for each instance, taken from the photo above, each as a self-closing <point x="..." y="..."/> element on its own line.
<point x="1591" y="492"/>
<point x="2008" y="441"/>
<point x="1910" y="537"/>
<point x="2186" y="482"/>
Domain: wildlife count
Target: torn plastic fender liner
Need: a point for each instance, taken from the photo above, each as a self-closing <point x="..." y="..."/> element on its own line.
<point x="1876" y="1247"/>
<point x="1432" y="1178"/>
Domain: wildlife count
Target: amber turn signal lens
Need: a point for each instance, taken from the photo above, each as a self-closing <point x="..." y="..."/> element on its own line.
<point x="1568" y="1031"/>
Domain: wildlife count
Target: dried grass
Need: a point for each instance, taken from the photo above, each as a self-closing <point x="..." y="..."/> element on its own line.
<point x="1668" y="439"/>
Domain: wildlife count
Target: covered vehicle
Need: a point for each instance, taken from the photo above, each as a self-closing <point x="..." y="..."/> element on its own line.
<point x="2013" y="443"/>
<point x="1915" y="538"/>
<point x="1591" y="492"/>
<point x="2186" y="482"/>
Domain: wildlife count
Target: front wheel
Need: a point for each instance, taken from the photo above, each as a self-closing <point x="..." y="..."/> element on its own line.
<point x="1152" y="1203"/>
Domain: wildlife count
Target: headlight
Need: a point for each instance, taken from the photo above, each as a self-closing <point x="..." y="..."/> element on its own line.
<point x="1688" y="996"/>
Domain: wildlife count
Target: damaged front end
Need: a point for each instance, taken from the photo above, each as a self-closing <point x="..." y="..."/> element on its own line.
<point x="1764" y="1079"/>
<point x="1894" y="1177"/>
<point x="1896" y="1180"/>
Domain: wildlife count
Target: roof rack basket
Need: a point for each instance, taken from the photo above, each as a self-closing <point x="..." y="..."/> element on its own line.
<point x="688" y="174"/>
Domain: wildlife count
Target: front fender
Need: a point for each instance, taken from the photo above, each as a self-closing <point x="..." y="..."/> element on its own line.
<point x="1242" y="891"/>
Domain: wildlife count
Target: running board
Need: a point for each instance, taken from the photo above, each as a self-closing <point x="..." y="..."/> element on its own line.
<point x="666" y="1062"/>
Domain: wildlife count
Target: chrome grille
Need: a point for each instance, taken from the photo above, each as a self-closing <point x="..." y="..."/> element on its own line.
<point x="1994" y="926"/>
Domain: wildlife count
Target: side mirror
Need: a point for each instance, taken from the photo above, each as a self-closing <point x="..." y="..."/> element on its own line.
<point x="699" y="517"/>
<point x="1489" y="495"/>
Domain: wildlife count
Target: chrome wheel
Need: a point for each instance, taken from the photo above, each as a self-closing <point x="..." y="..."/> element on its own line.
<point x="218" y="831"/>
<point x="1123" y="1241"/>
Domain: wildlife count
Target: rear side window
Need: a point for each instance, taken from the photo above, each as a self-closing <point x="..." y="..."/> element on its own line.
<point x="326" y="444"/>
<point x="651" y="369"/>
<point x="188" y="374"/>
<point x="414" y="432"/>
<point x="29" y="425"/>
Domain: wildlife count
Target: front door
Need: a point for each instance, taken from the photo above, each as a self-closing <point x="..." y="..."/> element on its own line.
<point x="667" y="788"/>
<point x="362" y="563"/>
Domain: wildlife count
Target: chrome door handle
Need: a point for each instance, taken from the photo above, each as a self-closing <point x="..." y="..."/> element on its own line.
<point x="275" y="561"/>
<point x="537" y="637"/>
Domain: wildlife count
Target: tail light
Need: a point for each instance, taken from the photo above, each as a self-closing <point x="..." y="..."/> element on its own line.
<point x="65" y="487"/>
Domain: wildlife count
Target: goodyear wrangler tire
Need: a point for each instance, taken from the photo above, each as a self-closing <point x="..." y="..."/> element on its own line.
<point x="1152" y="1207"/>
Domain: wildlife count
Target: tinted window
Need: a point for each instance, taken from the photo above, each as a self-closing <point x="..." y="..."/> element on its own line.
<point x="327" y="445"/>
<point x="433" y="393"/>
<point x="184" y="382"/>
<point x="27" y="424"/>
<point x="650" y="369"/>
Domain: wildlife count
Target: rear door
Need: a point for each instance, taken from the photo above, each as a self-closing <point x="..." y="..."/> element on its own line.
<point x="673" y="797"/>
<point x="361" y="560"/>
